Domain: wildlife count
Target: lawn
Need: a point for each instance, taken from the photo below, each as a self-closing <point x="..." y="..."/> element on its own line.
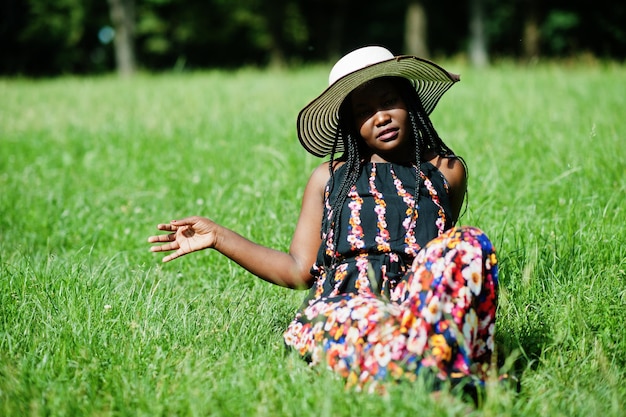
<point x="93" y="324"/>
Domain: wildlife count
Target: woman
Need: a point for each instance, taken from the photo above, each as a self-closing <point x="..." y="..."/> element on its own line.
<point x="395" y="290"/>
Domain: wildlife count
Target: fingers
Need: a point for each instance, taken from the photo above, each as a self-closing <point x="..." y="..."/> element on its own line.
<point x="170" y="237"/>
<point x="170" y="227"/>
<point x="166" y="247"/>
<point x="172" y="245"/>
<point x="187" y="221"/>
<point x="172" y="256"/>
<point x="162" y="238"/>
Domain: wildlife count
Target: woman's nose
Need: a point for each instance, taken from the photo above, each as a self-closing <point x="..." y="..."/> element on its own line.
<point x="381" y="117"/>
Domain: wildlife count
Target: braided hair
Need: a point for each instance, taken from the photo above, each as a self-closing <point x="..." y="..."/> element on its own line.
<point x="425" y="139"/>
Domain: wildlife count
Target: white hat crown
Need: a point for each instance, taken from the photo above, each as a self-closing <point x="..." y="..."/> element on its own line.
<point x="359" y="59"/>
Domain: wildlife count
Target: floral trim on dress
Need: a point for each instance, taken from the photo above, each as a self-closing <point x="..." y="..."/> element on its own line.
<point x="411" y="215"/>
<point x="355" y="231"/>
<point x="434" y="196"/>
<point x="382" y="238"/>
<point x="328" y="237"/>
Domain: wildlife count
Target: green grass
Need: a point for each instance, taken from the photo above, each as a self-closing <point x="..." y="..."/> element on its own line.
<point x="91" y="323"/>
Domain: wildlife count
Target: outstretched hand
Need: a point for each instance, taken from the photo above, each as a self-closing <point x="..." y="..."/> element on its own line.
<point x="188" y="235"/>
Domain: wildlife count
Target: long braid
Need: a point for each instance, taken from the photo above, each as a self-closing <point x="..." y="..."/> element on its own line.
<point x="352" y="171"/>
<point x="331" y="170"/>
<point x="418" y="166"/>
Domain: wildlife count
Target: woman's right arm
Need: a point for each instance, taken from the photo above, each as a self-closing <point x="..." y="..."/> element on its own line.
<point x="285" y="269"/>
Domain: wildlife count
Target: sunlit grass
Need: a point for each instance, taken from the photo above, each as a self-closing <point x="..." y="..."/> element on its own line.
<point x="91" y="323"/>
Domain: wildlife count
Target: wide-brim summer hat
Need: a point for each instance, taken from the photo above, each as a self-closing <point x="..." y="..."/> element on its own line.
<point x="318" y="121"/>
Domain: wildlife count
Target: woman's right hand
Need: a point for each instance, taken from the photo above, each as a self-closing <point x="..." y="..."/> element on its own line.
<point x="187" y="235"/>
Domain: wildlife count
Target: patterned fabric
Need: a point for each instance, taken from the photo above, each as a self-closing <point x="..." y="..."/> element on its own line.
<point x="395" y="303"/>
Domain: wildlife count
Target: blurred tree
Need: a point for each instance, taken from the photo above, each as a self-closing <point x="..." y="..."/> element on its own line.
<point x="276" y="28"/>
<point x="478" y="50"/>
<point x="273" y="16"/>
<point x="531" y="37"/>
<point x="52" y="33"/>
<point x="326" y="21"/>
<point x="197" y="33"/>
<point x="415" y="41"/>
<point x="606" y="20"/>
<point x="123" y="18"/>
<point x="558" y="32"/>
<point x="43" y="37"/>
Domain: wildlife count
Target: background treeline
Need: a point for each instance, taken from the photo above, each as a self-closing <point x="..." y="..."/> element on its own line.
<point x="50" y="37"/>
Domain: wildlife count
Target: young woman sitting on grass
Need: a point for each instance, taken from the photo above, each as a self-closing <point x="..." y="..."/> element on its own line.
<point x="396" y="291"/>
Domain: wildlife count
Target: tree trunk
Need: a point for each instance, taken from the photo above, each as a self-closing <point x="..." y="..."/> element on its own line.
<point x="335" y="29"/>
<point x="531" y="37"/>
<point x="415" y="42"/>
<point x="478" y="40"/>
<point x="274" y="15"/>
<point x="122" y="14"/>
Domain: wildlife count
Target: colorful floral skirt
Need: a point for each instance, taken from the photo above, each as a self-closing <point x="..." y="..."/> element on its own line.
<point x="438" y="320"/>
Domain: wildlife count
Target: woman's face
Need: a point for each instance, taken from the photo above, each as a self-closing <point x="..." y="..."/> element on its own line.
<point x="381" y="118"/>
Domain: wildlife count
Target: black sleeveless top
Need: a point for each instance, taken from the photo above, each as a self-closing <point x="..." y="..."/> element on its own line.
<point x="380" y="232"/>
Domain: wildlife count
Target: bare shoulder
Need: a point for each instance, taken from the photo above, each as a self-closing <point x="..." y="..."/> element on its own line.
<point x="321" y="174"/>
<point x="452" y="169"/>
<point x="454" y="172"/>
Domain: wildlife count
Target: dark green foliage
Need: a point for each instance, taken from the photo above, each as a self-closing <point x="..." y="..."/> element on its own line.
<point x="42" y="37"/>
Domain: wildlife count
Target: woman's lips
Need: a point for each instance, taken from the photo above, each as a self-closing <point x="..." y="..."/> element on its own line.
<point x="387" y="135"/>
